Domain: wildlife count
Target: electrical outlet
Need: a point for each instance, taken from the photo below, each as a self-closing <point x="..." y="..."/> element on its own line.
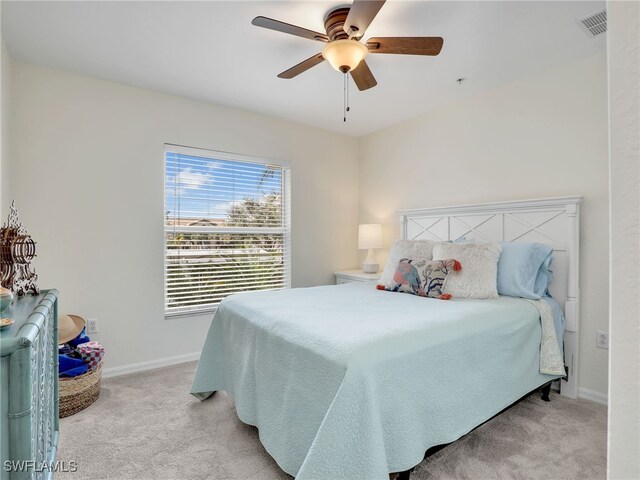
<point x="602" y="339"/>
<point x="92" y="326"/>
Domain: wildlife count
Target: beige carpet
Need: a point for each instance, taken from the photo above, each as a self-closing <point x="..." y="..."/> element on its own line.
<point x="147" y="426"/>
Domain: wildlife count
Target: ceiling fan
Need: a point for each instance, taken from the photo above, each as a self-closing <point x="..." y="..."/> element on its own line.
<point x="345" y="27"/>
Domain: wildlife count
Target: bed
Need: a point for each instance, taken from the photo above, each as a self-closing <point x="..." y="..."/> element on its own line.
<point x="351" y="382"/>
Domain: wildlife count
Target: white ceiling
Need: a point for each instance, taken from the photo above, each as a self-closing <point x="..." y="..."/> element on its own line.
<point x="210" y="51"/>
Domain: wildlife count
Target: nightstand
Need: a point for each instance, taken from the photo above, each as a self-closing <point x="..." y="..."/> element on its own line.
<point x="348" y="276"/>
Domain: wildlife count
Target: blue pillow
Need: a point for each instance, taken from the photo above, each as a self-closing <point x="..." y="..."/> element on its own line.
<point x="523" y="270"/>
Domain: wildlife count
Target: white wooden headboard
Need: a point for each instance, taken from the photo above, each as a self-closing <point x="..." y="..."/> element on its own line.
<point x="552" y="221"/>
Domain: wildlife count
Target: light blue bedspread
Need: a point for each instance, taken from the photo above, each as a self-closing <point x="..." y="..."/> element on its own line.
<point x="349" y="382"/>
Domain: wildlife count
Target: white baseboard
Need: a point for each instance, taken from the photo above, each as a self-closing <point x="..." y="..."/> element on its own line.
<point x="597" y="397"/>
<point x="150" y="365"/>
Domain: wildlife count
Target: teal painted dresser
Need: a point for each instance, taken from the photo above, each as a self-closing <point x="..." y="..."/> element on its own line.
<point x="29" y="388"/>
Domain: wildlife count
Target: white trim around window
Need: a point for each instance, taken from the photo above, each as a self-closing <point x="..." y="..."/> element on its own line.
<point x="227" y="227"/>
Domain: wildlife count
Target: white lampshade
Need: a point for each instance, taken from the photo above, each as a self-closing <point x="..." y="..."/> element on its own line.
<point x="369" y="236"/>
<point x="344" y="55"/>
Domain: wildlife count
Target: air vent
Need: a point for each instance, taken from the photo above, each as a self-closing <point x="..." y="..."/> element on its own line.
<point x="595" y="24"/>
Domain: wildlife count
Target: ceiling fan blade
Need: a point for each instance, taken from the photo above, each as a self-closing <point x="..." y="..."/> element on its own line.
<point x="406" y="45"/>
<point x="302" y="66"/>
<point x="361" y="14"/>
<point x="363" y="77"/>
<point x="283" y="27"/>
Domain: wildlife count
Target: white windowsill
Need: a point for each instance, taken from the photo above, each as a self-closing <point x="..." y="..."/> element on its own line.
<point x="192" y="313"/>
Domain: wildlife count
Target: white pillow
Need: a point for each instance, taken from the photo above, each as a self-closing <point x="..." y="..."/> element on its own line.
<point x="404" y="249"/>
<point x="479" y="275"/>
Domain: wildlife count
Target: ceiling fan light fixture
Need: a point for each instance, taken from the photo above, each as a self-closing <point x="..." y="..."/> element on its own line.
<point x="344" y="55"/>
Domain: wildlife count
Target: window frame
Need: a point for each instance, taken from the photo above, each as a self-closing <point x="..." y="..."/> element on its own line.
<point x="285" y="230"/>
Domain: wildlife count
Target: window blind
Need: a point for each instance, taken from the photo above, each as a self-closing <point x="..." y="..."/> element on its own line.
<point x="227" y="227"/>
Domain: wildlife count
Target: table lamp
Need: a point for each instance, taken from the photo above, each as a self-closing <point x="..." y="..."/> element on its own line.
<point x="369" y="237"/>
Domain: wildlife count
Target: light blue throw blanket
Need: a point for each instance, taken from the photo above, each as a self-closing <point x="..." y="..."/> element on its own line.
<point x="349" y="382"/>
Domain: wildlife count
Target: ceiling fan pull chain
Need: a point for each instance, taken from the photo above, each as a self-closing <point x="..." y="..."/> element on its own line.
<point x="346" y="79"/>
<point x="344" y="98"/>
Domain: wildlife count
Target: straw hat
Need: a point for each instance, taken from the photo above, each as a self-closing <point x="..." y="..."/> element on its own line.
<point x="69" y="327"/>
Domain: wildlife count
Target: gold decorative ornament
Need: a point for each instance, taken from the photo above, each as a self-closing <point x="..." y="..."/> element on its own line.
<point x="17" y="250"/>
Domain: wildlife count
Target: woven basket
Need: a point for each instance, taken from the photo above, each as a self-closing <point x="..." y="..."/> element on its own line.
<point x="77" y="393"/>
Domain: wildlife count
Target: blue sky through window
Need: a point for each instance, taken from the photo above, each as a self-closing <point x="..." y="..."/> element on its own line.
<point x="206" y="188"/>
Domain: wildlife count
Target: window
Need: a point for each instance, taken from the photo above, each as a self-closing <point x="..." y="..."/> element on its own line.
<point x="227" y="227"/>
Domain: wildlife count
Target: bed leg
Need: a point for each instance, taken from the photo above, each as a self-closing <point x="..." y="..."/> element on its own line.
<point x="404" y="475"/>
<point x="546" y="390"/>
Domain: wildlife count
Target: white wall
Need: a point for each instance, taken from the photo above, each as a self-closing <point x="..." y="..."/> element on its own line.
<point x="542" y="136"/>
<point x="624" y="123"/>
<point x="5" y="107"/>
<point x="87" y="174"/>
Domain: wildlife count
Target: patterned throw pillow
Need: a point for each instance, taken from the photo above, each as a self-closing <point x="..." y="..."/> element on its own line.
<point x="421" y="277"/>
<point x="405" y="249"/>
